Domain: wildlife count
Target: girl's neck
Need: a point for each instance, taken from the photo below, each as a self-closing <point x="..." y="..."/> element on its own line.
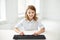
<point x="29" y="19"/>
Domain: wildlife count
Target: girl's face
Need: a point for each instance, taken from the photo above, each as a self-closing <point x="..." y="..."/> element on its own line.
<point x="30" y="13"/>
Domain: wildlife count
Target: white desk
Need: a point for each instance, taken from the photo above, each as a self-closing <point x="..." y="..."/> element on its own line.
<point x="8" y="35"/>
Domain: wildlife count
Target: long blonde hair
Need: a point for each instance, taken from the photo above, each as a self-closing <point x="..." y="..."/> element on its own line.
<point x="32" y="8"/>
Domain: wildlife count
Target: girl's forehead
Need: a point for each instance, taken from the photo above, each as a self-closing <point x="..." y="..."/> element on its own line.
<point x="30" y="10"/>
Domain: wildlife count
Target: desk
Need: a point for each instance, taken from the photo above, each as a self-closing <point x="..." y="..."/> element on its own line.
<point x="29" y="37"/>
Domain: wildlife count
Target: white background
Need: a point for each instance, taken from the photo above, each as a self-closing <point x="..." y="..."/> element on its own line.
<point x="49" y="11"/>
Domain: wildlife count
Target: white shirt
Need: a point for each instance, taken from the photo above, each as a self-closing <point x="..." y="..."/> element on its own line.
<point x="26" y="25"/>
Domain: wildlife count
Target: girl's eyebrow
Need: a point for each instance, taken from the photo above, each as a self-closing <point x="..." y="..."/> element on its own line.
<point x="32" y="12"/>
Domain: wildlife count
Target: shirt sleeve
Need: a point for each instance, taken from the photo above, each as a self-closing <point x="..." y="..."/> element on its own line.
<point x="40" y="25"/>
<point x="19" y="24"/>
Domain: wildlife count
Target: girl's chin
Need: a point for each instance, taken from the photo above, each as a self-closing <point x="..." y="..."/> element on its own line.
<point x="30" y="18"/>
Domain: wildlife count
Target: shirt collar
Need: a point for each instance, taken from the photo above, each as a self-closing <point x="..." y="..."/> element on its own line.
<point x="30" y="21"/>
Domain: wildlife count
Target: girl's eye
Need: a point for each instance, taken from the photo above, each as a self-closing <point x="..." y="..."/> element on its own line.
<point x="29" y="12"/>
<point x="32" y="12"/>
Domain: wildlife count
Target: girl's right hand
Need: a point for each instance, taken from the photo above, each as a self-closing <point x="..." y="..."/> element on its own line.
<point x="22" y="33"/>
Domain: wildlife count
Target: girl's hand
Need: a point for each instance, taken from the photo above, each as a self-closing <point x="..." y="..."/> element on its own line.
<point x="21" y="33"/>
<point x="39" y="32"/>
<point x="35" y="34"/>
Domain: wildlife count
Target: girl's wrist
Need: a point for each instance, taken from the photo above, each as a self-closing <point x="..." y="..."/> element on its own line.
<point x="38" y="32"/>
<point x="19" y="32"/>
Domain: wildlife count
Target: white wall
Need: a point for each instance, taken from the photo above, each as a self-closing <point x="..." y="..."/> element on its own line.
<point x="11" y="9"/>
<point x="51" y="9"/>
<point x="0" y="8"/>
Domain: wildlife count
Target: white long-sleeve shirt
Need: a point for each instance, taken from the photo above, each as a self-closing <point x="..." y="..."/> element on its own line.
<point x="26" y="25"/>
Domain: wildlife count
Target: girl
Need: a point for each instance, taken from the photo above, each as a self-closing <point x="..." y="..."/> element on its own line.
<point x="30" y="22"/>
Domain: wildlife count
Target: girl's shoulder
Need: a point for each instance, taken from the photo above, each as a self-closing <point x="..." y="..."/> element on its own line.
<point x="38" y="20"/>
<point x="22" y="20"/>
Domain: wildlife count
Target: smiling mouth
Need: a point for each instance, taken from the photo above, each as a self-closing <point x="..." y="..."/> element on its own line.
<point x="31" y="16"/>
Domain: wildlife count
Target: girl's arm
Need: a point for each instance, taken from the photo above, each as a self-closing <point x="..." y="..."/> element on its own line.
<point x="18" y="31"/>
<point x="39" y="32"/>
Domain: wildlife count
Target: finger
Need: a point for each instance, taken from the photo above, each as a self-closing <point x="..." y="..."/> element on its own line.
<point x="21" y="34"/>
<point x="34" y="34"/>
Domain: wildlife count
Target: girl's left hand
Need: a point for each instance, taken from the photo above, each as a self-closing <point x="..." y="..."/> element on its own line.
<point x="36" y="34"/>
